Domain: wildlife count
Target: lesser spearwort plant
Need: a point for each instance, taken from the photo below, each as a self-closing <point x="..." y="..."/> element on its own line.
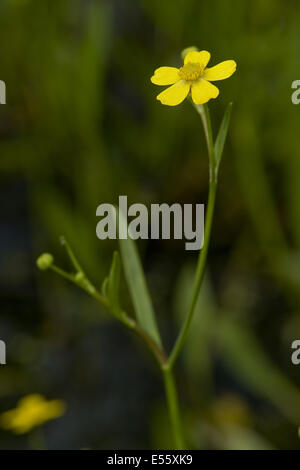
<point x="192" y="80"/>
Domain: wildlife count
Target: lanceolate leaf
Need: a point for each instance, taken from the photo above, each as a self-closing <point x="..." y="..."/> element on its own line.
<point x="114" y="282"/>
<point x="104" y="287"/>
<point x="137" y="285"/>
<point x="221" y="138"/>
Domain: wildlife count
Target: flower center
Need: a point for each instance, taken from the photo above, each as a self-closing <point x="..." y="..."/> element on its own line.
<point x="191" y="71"/>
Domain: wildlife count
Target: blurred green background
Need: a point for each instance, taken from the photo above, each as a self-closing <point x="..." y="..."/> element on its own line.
<point x="81" y="127"/>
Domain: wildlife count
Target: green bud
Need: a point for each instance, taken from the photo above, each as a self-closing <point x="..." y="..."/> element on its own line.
<point x="187" y="50"/>
<point x="44" y="261"/>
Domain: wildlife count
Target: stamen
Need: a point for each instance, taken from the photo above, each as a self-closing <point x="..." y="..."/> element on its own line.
<point x="191" y="71"/>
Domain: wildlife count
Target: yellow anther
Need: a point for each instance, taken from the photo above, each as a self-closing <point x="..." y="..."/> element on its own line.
<point x="191" y="71"/>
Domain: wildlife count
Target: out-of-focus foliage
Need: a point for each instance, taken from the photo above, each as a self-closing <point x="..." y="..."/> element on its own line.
<point x="81" y="127"/>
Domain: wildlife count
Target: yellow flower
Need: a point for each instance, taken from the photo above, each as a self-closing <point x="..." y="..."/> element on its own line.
<point x="193" y="77"/>
<point x="32" y="410"/>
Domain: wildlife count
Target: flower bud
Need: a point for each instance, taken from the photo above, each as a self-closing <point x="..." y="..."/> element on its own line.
<point x="44" y="261"/>
<point x="187" y="50"/>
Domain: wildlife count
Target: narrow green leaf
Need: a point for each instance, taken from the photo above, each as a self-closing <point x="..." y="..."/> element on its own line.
<point x="137" y="284"/>
<point x="114" y="282"/>
<point x="104" y="288"/>
<point x="221" y="138"/>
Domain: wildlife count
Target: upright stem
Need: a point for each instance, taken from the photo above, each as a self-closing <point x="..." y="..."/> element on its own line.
<point x="204" y="113"/>
<point x="170" y="386"/>
<point x="199" y="274"/>
<point x="173" y="407"/>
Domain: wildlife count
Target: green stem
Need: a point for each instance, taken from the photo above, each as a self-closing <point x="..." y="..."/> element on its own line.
<point x="84" y="283"/>
<point x="157" y="351"/>
<point x="204" y="113"/>
<point x="171" y="393"/>
<point x="203" y="110"/>
<point x="199" y="275"/>
<point x="71" y="255"/>
<point x="173" y="407"/>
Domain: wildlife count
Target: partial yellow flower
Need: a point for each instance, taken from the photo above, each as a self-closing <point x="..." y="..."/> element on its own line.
<point x="32" y="410"/>
<point x="193" y="78"/>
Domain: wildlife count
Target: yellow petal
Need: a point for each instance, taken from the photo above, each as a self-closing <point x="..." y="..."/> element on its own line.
<point x="174" y="94"/>
<point x="202" y="57"/>
<point x="221" y="71"/>
<point x="203" y="91"/>
<point x="32" y="410"/>
<point x="165" y="76"/>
